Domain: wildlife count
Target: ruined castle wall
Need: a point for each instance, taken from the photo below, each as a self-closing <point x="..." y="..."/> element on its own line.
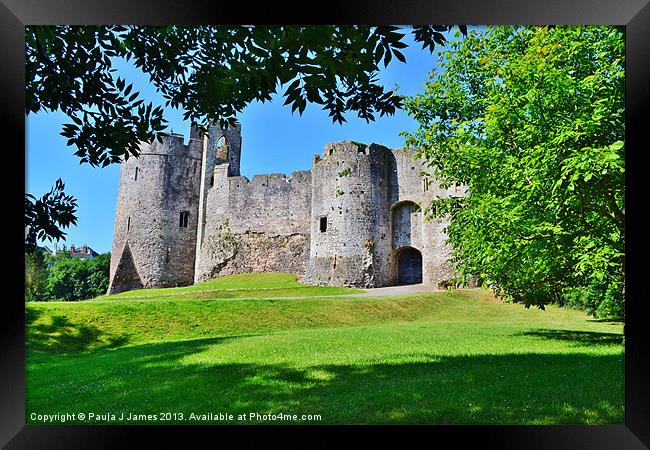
<point x="344" y="223"/>
<point x="260" y="225"/>
<point x="350" y="193"/>
<point x="409" y="226"/>
<point x="150" y="248"/>
<point x="217" y="161"/>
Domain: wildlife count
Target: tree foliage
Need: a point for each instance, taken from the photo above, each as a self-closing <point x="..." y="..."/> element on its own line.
<point x="531" y="121"/>
<point x="35" y="275"/>
<point x="45" y="217"/>
<point x="211" y="72"/>
<point x="71" y="278"/>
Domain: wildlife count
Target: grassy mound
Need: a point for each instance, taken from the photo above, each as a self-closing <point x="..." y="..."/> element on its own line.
<point x="243" y="285"/>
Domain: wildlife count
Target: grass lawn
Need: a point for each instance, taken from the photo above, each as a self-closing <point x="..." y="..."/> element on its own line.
<point x="247" y="285"/>
<point x="457" y="357"/>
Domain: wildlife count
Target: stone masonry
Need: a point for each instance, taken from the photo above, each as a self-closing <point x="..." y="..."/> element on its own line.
<point x="185" y="215"/>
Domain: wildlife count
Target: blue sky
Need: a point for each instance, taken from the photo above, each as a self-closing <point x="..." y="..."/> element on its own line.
<point x="273" y="140"/>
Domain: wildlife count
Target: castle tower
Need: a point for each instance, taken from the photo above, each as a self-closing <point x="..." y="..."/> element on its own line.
<point x="223" y="147"/>
<point x="157" y="214"/>
<point x="220" y="156"/>
<point x="350" y="220"/>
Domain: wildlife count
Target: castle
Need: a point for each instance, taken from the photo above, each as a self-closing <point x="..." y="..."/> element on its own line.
<point x="185" y="215"/>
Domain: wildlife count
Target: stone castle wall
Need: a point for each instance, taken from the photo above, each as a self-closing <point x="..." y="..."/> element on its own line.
<point x="150" y="249"/>
<point x="260" y="225"/>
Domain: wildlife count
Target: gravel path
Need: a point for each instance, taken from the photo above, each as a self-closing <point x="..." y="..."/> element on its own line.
<point x="394" y="290"/>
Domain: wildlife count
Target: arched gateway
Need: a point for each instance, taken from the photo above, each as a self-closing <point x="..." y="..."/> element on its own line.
<point x="409" y="266"/>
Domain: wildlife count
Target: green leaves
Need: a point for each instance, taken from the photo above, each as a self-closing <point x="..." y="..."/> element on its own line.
<point x="71" y="279"/>
<point x="45" y="217"/>
<point x="69" y="69"/>
<point x="531" y="120"/>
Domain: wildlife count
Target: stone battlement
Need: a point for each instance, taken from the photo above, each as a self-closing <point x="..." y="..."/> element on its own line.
<point x="173" y="144"/>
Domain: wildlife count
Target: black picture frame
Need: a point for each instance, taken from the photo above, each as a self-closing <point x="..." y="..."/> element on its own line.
<point x="633" y="14"/>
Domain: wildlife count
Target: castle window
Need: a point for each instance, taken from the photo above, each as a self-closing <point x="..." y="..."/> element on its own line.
<point x="128" y="224"/>
<point x="323" y="224"/>
<point x="211" y="180"/>
<point x="425" y="184"/>
<point x="184" y="219"/>
<point x="222" y="149"/>
<point x="136" y="174"/>
<point x="169" y="249"/>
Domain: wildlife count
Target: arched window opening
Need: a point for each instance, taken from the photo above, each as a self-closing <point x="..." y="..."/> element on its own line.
<point x="406" y="221"/>
<point x="222" y="150"/>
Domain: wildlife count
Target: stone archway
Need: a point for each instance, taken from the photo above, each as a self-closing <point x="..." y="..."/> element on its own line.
<point x="222" y="150"/>
<point x="409" y="266"/>
<point x="406" y="224"/>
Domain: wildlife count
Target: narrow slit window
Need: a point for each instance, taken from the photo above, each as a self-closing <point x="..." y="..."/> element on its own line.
<point x="136" y="174"/>
<point x="128" y="224"/>
<point x="211" y="180"/>
<point x="184" y="219"/>
<point x="169" y="250"/>
<point x="425" y="184"/>
<point x="323" y="224"/>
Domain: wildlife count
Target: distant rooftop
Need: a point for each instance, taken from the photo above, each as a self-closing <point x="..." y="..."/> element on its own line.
<point x="83" y="252"/>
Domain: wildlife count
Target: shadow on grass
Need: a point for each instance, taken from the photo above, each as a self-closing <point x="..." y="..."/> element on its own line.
<point x="577" y="337"/>
<point x="197" y="376"/>
<point x="608" y="320"/>
<point x="61" y="335"/>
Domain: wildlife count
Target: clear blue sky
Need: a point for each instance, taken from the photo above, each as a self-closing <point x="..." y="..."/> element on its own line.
<point x="273" y="140"/>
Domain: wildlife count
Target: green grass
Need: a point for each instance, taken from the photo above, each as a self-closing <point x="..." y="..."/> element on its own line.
<point x="458" y="357"/>
<point x="245" y="285"/>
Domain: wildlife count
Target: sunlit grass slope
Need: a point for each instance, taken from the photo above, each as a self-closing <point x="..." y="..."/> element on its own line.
<point x="244" y="285"/>
<point x="443" y="357"/>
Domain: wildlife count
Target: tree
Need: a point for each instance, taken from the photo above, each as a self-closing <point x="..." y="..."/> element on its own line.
<point x="35" y="275"/>
<point x="99" y="271"/>
<point x="72" y="278"/>
<point x="531" y="121"/>
<point x="211" y="72"/>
